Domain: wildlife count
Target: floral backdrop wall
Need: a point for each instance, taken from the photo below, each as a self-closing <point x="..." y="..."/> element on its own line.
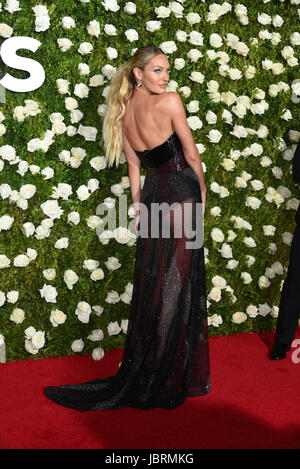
<point x="65" y="278"/>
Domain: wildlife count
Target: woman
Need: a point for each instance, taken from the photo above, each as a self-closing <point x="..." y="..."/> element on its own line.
<point x="166" y="356"/>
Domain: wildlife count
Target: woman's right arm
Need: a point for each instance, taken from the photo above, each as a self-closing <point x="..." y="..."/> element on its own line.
<point x="182" y="129"/>
<point x="134" y="169"/>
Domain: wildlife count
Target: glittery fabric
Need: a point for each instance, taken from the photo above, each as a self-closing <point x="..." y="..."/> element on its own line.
<point x="166" y="353"/>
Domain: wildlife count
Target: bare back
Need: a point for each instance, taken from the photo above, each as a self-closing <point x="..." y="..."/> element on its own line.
<point x="146" y="121"/>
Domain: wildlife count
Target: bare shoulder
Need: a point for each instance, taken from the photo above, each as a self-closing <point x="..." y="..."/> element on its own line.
<point x="173" y="99"/>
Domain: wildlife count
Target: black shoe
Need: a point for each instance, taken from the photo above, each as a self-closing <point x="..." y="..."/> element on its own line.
<point x="279" y="351"/>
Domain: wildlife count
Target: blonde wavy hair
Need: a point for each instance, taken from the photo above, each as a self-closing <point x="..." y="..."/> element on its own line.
<point x="121" y="89"/>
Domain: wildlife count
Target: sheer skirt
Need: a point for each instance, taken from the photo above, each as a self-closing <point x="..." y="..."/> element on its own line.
<point x="166" y="352"/>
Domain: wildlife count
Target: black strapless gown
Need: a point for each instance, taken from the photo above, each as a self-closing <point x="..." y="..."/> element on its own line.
<point x="166" y="352"/>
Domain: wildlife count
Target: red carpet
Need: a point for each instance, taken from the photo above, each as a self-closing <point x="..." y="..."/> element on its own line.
<point x="254" y="403"/>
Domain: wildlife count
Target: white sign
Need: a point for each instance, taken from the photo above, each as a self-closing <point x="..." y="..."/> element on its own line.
<point x="8" y="54"/>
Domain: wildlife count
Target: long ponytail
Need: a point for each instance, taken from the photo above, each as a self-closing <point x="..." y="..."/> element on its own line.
<point x="121" y="89"/>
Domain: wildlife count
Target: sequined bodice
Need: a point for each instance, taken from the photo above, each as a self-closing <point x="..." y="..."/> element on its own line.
<point x="166" y="157"/>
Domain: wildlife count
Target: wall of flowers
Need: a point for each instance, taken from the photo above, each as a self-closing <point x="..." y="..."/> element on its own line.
<point x="65" y="278"/>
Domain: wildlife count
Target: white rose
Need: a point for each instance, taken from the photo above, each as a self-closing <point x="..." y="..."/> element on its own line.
<point x="96" y="335"/>
<point x="17" y="316"/>
<point x="249" y="241"/>
<point x="49" y="274"/>
<point x="239" y="317"/>
<point x="31" y="253"/>
<point x="196" y="38"/>
<point x="113" y="328"/>
<point x="94" y="221"/>
<point x="113" y="263"/>
<point x="181" y="36"/>
<point x="218" y="281"/>
<point x="29" y="332"/>
<point x="193" y="18"/>
<point x="83" y="69"/>
<point x="215" y="40"/>
<point x="83" y="193"/>
<point x="124" y="325"/>
<point x="235" y="73"/>
<point x="62" y="85"/>
<point x="263" y="282"/>
<point x="162" y="12"/>
<point x="105" y="236"/>
<point x="74" y="217"/>
<point x="112" y="297"/>
<point x="215" y="211"/>
<point x="194" y="122"/>
<point x="62" y="243"/>
<point x="81" y="90"/>
<point x="49" y="293"/>
<point x="153" y="26"/>
<point x="125" y="297"/>
<point x="197" y="77"/>
<point x="57" y="317"/>
<point x="257" y="185"/>
<point x="232" y="264"/>
<point x="38" y="340"/>
<point x="77" y="345"/>
<point x="263" y="18"/>
<point x="110" y="29"/>
<point x="264" y="309"/>
<point x="179" y="64"/>
<point x="225" y="250"/>
<point x="269" y="230"/>
<point x="21" y="260"/>
<point x="215" y="320"/>
<point x="214" y="136"/>
<point x="6" y="222"/>
<point x="277" y="68"/>
<point x="130" y="8"/>
<point x="96" y="80"/>
<point x="98" y="163"/>
<point x="98" y="310"/>
<point x="215" y="294"/>
<point x="93" y="28"/>
<point x="228" y="164"/>
<point x="252" y="311"/>
<point x="253" y="202"/>
<point x="122" y="235"/>
<point x="246" y="277"/>
<point x="132" y="35"/>
<point x="90" y="264"/>
<point x="168" y="47"/>
<point x="63" y="190"/>
<point x="5" y="30"/>
<point x="68" y="22"/>
<point x="97" y="274"/>
<point x="97" y="353"/>
<point x="64" y="43"/>
<point x="93" y="184"/>
<point x="71" y="103"/>
<point x="12" y="296"/>
<point x="52" y="209"/>
<point x="217" y="235"/>
<point x="83" y="311"/>
<point x="30" y="348"/>
<point x="85" y="48"/>
<point x="277" y="267"/>
<point x="70" y="278"/>
<point x="117" y="189"/>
